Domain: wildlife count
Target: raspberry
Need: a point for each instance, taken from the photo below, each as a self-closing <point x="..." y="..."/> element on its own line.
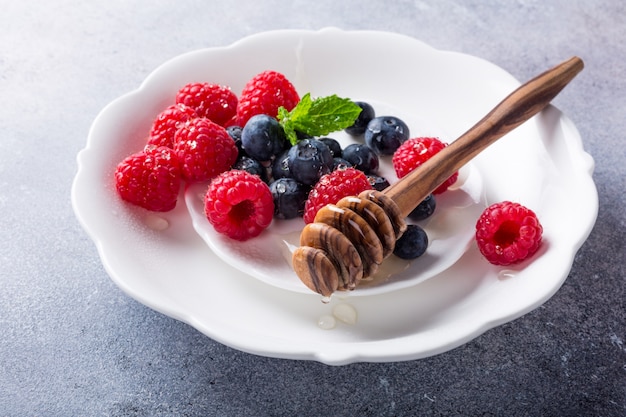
<point x="150" y="178"/>
<point x="333" y="187"/>
<point x="213" y="101"/>
<point x="205" y="149"/>
<point x="167" y="123"/>
<point x="239" y="204"/>
<point x="508" y="233"/>
<point x="264" y="94"/>
<point x="414" y="152"/>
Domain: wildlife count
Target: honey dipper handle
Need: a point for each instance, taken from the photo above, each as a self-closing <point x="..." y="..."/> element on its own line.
<point x="523" y="103"/>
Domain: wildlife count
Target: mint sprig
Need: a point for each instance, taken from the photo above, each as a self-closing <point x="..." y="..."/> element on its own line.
<point x="318" y="117"/>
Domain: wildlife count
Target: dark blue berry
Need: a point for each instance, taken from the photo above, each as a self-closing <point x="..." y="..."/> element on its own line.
<point x="360" y="124"/>
<point x="385" y="134"/>
<point x="424" y="209"/>
<point x="289" y="198"/>
<point x="340" y="163"/>
<point x="280" y="166"/>
<point x="263" y="137"/>
<point x="301" y="135"/>
<point x="251" y="165"/>
<point x="378" y="183"/>
<point x="333" y="145"/>
<point x="308" y="160"/>
<point x="235" y="133"/>
<point x="362" y="157"/>
<point x="412" y="244"/>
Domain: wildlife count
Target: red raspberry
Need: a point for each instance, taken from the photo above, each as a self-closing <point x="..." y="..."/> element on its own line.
<point x="507" y="233"/>
<point x="414" y="152"/>
<point x="167" y="123"/>
<point x="333" y="187"/>
<point x="239" y="204"/>
<point x="150" y="178"/>
<point x="205" y="149"/>
<point x="213" y="101"/>
<point x="264" y="94"/>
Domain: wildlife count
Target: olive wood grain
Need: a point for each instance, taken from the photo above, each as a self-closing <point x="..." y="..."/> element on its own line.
<point x="519" y="106"/>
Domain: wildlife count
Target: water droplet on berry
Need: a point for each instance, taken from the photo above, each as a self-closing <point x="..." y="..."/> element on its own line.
<point x="157" y="223"/>
<point x="326" y="322"/>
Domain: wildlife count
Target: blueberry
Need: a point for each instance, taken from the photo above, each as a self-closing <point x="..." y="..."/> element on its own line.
<point x="385" y="134"/>
<point x="362" y="157"/>
<point x="301" y="135"/>
<point x="333" y="145"/>
<point x="308" y="160"/>
<point x="289" y="198"/>
<point x="263" y="137"/>
<point x="412" y="244"/>
<point x="235" y="133"/>
<point x="245" y="163"/>
<point x="360" y="124"/>
<point x="425" y="209"/>
<point x="340" y="163"/>
<point x="378" y="183"/>
<point x="280" y="166"/>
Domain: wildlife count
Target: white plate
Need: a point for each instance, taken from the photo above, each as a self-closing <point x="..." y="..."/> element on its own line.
<point x="541" y="164"/>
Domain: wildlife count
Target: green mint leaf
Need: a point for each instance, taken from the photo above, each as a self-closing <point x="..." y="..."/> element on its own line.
<point x="303" y="107"/>
<point x="284" y="117"/>
<point x="328" y="114"/>
<point x="318" y="117"/>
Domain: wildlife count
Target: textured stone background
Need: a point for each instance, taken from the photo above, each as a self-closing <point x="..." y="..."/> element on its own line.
<point x="73" y="344"/>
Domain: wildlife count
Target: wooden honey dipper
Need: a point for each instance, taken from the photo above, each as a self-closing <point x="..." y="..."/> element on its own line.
<point x="349" y="240"/>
